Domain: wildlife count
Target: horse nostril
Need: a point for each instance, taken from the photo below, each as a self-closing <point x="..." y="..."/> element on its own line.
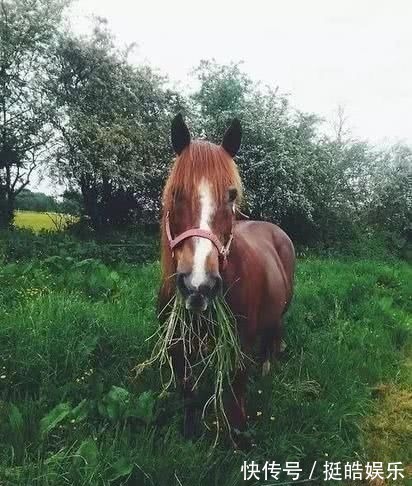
<point x="181" y="283"/>
<point x="204" y="289"/>
<point x="209" y="288"/>
<point x="212" y="286"/>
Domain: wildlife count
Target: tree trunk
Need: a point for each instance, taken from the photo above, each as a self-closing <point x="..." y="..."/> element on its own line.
<point x="91" y="207"/>
<point x="7" y="202"/>
<point x="3" y="212"/>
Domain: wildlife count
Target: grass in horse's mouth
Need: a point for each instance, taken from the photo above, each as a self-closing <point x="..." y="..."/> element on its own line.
<point x="208" y="342"/>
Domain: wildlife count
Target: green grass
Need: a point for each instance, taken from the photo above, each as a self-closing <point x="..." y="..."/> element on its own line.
<point x="37" y="221"/>
<point x="73" y="412"/>
<point x="209" y="344"/>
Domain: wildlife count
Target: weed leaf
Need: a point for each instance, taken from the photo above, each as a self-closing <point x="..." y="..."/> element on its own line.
<point x="54" y="417"/>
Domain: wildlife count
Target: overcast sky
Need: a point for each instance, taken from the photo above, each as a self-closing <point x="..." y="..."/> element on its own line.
<point x="324" y="53"/>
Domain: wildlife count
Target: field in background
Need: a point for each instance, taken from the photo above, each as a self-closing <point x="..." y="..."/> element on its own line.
<point x="37" y="221"/>
<point x="72" y="411"/>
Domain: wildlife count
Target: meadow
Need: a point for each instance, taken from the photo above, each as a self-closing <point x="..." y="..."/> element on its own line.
<point x="40" y="221"/>
<point x="73" y="412"/>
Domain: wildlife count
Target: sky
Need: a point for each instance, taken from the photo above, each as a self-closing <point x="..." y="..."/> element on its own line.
<point x="323" y="53"/>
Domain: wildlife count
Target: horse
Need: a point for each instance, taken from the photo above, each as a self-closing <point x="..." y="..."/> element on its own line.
<point x="206" y="248"/>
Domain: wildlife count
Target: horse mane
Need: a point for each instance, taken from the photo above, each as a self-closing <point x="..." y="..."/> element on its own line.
<point x="200" y="159"/>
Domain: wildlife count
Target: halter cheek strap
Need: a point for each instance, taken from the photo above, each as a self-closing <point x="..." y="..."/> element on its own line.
<point x="223" y="250"/>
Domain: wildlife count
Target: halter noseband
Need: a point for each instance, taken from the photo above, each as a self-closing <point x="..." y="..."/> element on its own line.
<point x="223" y="250"/>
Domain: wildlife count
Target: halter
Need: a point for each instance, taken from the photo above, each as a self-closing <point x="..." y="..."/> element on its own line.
<point x="222" y="250"/>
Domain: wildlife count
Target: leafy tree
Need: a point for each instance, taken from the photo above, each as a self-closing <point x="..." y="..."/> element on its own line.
<point x="319" y="188"/>
<point x="71" y="203"/>
<point x="342" y="187"/>
<point x="27" y="30"/>
<point x="113" y="121"/>
<point x="277" y="156"/>
<point x="35" y="201"/>
<point x="390" y="205"/>
<point x="221" y="96"/>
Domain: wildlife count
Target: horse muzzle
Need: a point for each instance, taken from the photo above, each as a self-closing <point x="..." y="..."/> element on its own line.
<point x="197" y="298"/>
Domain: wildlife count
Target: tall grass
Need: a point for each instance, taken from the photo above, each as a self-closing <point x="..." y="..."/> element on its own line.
<point x="72" y="411"/>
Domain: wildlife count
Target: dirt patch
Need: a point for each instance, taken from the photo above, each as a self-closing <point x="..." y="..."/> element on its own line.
<point x="388" y="432"/>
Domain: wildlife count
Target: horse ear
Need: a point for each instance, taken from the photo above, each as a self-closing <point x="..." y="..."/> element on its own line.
<point x="232" y="138"/>
<point x="180" y="134"/>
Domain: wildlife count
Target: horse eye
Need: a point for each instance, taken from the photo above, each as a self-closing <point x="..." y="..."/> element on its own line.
<point x="232" y="193"/>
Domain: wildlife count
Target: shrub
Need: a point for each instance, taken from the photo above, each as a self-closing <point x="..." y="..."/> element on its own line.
<point x="22" y="244"/>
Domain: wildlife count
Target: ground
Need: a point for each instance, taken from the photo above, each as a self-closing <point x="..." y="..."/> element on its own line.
<point x="73" y="412"/>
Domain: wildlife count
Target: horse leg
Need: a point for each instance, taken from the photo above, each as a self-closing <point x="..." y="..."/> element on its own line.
<point x="190" y="410"/>
<point x="185" y="384"/>
<point x="271" y="345"/>
<point x="237" y="412"/>
<point x="237" y="403"/>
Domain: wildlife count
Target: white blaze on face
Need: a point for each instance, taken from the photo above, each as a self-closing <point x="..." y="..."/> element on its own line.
<point x="202" y="246"/>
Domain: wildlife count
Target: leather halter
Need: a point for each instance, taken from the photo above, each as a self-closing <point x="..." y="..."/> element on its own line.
<point x="223" y="250"/>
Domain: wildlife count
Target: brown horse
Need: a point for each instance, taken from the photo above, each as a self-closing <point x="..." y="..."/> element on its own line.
<point x="206" y="250"/>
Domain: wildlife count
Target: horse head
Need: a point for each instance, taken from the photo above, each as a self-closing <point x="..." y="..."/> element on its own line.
<point x="199" y="204"/>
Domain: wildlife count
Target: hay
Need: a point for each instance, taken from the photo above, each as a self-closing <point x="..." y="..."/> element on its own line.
<point x="209" y="342"/>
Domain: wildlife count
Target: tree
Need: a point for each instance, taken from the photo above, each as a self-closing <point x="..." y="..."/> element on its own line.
<point x="390" y="205"/>
<point x="27" y="200"/>
<point x="221" y="96"/>
<point x="344" y="170"/>
<point x="318" y="188"/>
<point x="113" y="121"/>
<point x="71" y="203"/>
<point x="27" y="30"/>
<point x="279" y="145"/>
